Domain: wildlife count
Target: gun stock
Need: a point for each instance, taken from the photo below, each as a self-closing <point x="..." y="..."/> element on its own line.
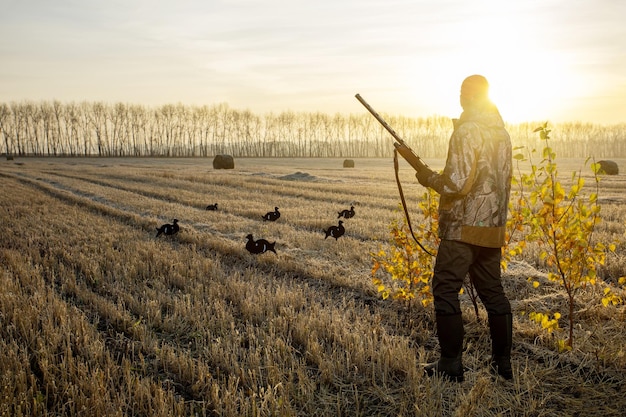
<point x="402" y="148"/>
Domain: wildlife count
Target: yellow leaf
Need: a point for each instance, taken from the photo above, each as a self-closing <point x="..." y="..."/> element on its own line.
<point x="563" y="346"/>
<point x="595" y="167"/>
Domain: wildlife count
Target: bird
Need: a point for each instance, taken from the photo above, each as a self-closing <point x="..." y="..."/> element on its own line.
<point x="272" y="215"/>
<point x="259" y="246"/>
<point x="168" y="229"/>
<point x="347" y="214"/>
<point x="212" y="207"/>
<point x="335" y="231"/>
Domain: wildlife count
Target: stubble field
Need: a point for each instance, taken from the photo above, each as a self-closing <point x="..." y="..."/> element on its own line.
<point x="100" y="318"/>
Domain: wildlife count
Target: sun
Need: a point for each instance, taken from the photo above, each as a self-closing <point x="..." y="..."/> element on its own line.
<point x="525" y="85"/>
<point x="532" y="92"/>
<point x="530" y="79"/>
<point x="521" y="92"/>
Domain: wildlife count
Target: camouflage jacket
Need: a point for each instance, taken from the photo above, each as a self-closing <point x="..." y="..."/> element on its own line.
<point x="475" y="184"/>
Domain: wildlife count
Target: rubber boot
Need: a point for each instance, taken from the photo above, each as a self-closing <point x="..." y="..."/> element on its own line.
<point x="501" y="329"/>
<point x="450" y="334"/>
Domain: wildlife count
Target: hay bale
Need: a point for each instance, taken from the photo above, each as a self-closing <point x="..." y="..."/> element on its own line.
<point x="608" y="168"/>
<point x="9" y="157"/>
<point x="348" y="163"/>
<point x="223" y="162"/>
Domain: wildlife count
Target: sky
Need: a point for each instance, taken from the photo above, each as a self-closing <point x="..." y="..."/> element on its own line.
<point x="546" y="60"/>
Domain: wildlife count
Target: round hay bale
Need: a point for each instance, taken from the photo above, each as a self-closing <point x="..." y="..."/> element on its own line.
<point x="608" y="168"/>
<point x="348" y="163"/>
<point x="9" y="157"/>
<point x="223" y="162"/>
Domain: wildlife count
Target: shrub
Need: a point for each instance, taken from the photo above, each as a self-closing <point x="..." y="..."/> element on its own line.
<point x="409" y="266"/>
<point x="562" y="224"/>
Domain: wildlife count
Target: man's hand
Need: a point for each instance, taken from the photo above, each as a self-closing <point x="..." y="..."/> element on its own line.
<point x="424" y="175"/>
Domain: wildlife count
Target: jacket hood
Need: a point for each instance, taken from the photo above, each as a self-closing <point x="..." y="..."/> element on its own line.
<point x="486" y="114"/>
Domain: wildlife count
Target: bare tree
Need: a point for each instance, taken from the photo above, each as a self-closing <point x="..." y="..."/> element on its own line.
<point x="17" y="118"/>
<point x="5" y="112"/>
<point x="98" y="123"/>
<point x="54" y="128"/>
<point x="35" y="120"/>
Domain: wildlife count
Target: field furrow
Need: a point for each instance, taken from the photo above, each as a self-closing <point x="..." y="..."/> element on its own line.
<point x="101" y="318"/>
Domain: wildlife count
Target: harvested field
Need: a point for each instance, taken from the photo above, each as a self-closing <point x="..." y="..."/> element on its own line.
<point x="100" y="318"/>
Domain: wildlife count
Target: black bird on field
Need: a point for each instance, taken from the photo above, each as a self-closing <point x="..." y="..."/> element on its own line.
<point x="168" y="229"/>
<point x="335" y="231"/>
<point x="212" y="207"/>
<point x="272" y="215"/>
<point x="347" y="214"/>
<point x="259" y="246"/>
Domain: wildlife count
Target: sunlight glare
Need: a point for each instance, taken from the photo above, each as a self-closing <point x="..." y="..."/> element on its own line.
<point x="527" y="81"/>
<point x="529" y="91"/>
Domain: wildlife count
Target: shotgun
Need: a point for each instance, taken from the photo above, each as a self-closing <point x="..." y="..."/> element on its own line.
<point x="402" y="148"/>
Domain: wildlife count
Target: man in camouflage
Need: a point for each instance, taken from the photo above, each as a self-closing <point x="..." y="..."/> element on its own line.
<point x="474" y="192"/>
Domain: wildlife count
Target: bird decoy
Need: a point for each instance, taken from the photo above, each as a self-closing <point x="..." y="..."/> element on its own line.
<point x="212" y="207"/>
<point x="259" y="246"/>
<point x="168" y="229"/>
<point x="272" y="215"/>
<point x="335" y="231"/>
<point x="347" y="214"/>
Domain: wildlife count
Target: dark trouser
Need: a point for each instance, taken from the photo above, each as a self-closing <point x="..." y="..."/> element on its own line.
<point x="454" y="261"/>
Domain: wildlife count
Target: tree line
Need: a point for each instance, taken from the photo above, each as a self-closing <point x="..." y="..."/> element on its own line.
<point x="53" y="128"/>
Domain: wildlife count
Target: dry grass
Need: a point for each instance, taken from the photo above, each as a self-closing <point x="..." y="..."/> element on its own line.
<point x="99" y="318"/>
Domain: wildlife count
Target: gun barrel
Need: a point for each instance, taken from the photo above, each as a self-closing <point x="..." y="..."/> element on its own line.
<point x="402" y="148"/>
<point x="380" y="119"/>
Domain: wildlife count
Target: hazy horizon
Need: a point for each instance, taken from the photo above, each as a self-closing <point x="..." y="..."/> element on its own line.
<point x="546" y="60"/>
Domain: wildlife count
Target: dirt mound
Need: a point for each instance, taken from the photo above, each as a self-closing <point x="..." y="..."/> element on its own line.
<point x="299" y="176"/>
